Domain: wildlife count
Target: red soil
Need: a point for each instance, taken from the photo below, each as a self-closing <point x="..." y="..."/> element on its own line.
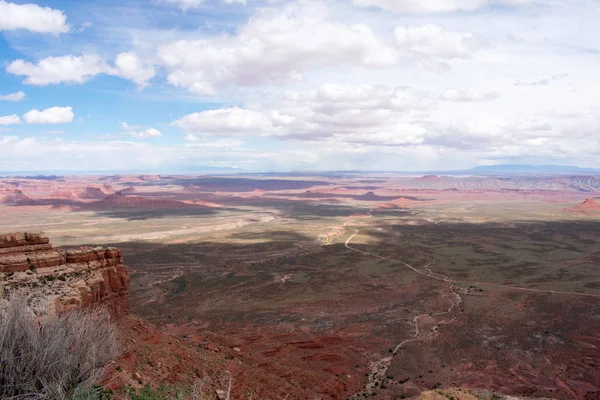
<point x="264" y="364"/>
<point x="119" y="201"/>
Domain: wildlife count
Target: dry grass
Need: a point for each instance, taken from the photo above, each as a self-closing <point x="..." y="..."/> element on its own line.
<point x="45" y="357"/>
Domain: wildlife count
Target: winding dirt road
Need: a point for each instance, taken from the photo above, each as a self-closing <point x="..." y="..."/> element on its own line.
<point x="378" y="369"/>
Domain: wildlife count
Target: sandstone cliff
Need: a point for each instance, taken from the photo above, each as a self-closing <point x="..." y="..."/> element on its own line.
<point x="64" y="279"/>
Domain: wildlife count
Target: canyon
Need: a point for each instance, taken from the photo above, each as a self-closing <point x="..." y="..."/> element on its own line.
<point x="297" y="286"/>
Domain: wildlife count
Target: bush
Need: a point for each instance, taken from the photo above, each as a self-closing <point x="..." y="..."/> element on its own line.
<point x="55" y="357"/>
<point x="161" y="393"/>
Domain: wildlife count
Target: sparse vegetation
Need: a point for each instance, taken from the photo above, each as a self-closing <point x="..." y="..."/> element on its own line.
<point x="54" y="357"/>
<point x="161" y="393"/>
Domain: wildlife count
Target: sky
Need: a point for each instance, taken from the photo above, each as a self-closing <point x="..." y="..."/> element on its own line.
<point x="267" y="85"/>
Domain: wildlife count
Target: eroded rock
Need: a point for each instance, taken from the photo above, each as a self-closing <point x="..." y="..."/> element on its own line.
<point x="66" y="279"/>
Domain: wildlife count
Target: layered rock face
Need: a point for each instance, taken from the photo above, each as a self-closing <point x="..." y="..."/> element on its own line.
<point x="66" y="279"/>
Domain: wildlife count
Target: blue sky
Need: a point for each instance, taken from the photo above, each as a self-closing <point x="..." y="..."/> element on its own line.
<point x="166" y="85"/>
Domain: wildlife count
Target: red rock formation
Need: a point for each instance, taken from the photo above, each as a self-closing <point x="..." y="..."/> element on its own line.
<point x="68" y="279"/>
<point x="401" y="203"/>
<point x="18" y="198"/>
<point x="589" y="206"/>
<point x="129" y="190"/>
<point x="93" y="193"/>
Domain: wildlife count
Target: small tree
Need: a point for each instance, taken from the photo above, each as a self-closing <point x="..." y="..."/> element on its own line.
<point x="45" y="357"/>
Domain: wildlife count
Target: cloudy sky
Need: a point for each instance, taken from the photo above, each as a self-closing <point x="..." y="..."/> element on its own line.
<point x="168" y="85"/>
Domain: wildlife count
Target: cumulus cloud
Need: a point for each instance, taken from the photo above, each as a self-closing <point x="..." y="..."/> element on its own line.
<point x="79" y="69"/>
<point x="32" y="17"/>
<point x="275" y="46"/>
<point x="54" y="115"/>
<point x="129" y="66"/>
<point x="138" y="132"/>
<point x="435" y="41"/>
<point x="10" y="120"/>
<point x="228" y="121"/>
<point x="16" y="97"/>
<point x="436" y="6"/>
<point x="361" y="119"/>
<point x="54" y="70"/>
<point x="353" y="112"/>
<point x="467" y="95"/>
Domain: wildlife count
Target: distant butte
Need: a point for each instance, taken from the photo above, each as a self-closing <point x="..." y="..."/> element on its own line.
<point x="19" y="198"/>
<point x="401" y="202"/>
<point x="93" y="193"/>
<point x="589" y="206"/>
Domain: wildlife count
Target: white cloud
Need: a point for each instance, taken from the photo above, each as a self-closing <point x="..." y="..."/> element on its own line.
<point x="436" y="6"/>
<point x="270" y="68"/>
<point x="16" y="97"/>
<point x="146" y="134"/>
<point x="188" y="4"/>
<point x="55" y="70"/>
<point x="10" y="120"/>
<point x="54" y="115"/>
<point x="435" y="41"/>
<point x="467" y="95"/>
<point x="275" y="46"/>
<point x="138" y="132"/>
<point x="129" y="66"/>
<point x="228" y="121"/>
<point x="23" y="154"/>
<point x="373" y="123"/>
<point x="79" y="69"/>
<point x="32" y="17"/>
<point x="349" y="111"/>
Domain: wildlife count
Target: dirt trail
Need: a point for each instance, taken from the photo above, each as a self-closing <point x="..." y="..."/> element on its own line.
<point x="378" y="369"/>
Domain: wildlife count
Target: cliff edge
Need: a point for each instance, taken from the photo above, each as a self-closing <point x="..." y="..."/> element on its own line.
<point x="63" y="279"/>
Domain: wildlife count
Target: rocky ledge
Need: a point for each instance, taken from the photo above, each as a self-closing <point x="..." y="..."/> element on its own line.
<point x="63" y="279"/>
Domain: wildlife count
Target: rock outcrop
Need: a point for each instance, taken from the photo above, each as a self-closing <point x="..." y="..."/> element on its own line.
<point x="589" y="206"/>
<point x="93" y="193"/>
<point x="66" y="279"/>
<point x="401" y="202"/>
<point x="18" y="198"/>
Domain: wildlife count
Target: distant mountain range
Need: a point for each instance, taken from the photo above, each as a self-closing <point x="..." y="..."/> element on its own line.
<point x="526" y="169"/>
<point x="484" y="170"/>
